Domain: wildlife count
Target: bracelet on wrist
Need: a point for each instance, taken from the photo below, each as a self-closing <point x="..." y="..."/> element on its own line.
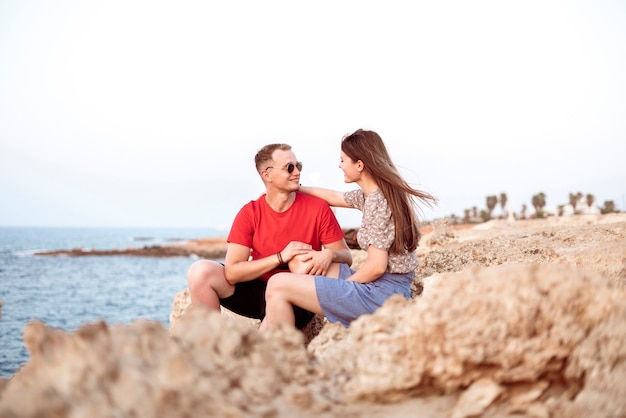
<point x="280" y="258"/>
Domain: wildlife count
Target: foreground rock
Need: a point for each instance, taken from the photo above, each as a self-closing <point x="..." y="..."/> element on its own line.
<point x="530" y="340"/>
<point x="538" y="330"/>
<point x="540" y="338"/>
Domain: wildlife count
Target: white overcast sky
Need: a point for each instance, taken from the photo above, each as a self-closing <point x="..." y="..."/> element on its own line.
<point x="149" y="113"/>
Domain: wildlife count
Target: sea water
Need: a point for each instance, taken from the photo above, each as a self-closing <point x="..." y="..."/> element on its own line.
<point x="67" y="292"/>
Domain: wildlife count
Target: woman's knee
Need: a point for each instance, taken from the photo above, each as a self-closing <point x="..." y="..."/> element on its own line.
<point x="298" y="266"/>
<point x="276" y="285"/>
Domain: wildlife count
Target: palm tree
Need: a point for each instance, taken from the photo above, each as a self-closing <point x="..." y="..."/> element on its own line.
<point x="539" y="201"/>
<point x="574" y="198"/>
<point x="609" y="207"/>
<point x="492" y="201"/>
<point x="503" y="199"/>
<point x="590" y="199"/>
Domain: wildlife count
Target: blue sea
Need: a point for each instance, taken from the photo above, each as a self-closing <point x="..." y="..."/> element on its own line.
<point x="67" y="292"/>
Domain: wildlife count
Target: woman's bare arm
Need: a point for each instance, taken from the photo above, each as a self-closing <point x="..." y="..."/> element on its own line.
<point x="373" y="267"/>
<point x="332" y="197"/>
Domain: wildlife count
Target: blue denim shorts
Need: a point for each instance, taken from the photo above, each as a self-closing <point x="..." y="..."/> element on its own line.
<point x="344" y="301"/>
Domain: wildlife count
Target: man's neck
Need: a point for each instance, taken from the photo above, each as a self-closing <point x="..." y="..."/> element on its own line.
<point x="280" y="201"/>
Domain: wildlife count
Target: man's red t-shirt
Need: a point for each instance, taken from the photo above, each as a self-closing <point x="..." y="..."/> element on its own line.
<point x="266" y="232"/>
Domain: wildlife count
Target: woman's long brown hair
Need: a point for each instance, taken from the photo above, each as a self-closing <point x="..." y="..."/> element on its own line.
<point x="369" y="147"/>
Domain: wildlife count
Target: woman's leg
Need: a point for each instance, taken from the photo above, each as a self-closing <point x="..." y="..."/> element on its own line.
<point x="285" y="290"/>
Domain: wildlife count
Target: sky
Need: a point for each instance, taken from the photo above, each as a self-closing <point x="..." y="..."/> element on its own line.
<point x="149" y="113"/>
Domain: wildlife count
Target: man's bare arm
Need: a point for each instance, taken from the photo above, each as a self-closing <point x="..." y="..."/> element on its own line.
<point x="240" y="268"/>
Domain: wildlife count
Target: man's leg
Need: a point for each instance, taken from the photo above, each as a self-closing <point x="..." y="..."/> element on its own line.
<point x="207" y="283"/>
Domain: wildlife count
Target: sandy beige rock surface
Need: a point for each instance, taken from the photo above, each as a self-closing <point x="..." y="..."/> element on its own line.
<point x="524" y="319"/>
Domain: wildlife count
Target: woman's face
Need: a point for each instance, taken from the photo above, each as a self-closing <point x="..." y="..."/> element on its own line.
<point x="350" y="168"/>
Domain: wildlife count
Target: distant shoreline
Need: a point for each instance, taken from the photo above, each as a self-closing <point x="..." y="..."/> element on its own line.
<point x="210" y="247"/>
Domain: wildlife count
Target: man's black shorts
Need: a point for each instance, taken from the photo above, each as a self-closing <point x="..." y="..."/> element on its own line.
<point x="249" y="300"/>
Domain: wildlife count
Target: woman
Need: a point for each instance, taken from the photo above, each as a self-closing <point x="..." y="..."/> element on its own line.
<point x="389" y="233"/>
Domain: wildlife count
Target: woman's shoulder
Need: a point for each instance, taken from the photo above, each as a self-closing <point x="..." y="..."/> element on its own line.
<point x="377" y="196"/>
<point x="376" y="202"/>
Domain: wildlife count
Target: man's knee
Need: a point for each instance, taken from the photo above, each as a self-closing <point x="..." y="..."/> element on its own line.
<point x="201" y="271"/>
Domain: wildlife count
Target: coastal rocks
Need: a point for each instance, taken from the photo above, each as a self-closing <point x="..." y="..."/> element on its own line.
<point x="208" y="248"/>
<point x="350" y="237"/>
<point x="182" y="303"/>
<point x="596" y="246"/>
<point x="211" y="367"/>
<point x="527" y="320"/>
<point x="492" y="341"/>
<point x="527" y="330"/>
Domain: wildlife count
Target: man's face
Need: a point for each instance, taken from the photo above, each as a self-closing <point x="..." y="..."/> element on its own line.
<point x="278" y="171"/>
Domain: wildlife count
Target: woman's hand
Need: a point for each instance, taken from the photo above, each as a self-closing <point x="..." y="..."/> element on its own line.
<point x="313" y="262"/>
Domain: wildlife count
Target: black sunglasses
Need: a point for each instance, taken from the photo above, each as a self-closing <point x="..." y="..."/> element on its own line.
<point x="290" y="167"/>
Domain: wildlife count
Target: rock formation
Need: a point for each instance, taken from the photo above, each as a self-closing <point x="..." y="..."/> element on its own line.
<point x="520" y="321"/>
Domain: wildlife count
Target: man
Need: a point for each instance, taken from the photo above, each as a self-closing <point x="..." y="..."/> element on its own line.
<point x="282" y="230"/>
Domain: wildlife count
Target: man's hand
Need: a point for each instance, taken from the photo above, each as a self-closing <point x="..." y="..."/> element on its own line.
<point x="295" y="249"/>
